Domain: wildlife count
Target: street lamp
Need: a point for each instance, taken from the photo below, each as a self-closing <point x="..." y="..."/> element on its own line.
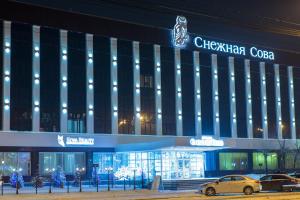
<point x="2" y="169"/>
<point x="80" y="171"/>
<point x="109" y="170"/>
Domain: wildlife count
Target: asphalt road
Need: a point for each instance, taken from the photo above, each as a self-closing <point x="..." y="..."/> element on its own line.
<point x="258" y="196"/>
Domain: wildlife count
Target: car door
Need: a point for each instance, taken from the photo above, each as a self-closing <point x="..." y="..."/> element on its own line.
<point x="266" y="182"/>
<point x="223" y="185"/>
<point x="237" y="184"/>
<point x="278" y="181"/>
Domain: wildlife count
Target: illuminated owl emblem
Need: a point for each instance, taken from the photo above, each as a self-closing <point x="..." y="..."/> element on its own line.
<point x="180" y="34"/>
<point x="60" y="140"/>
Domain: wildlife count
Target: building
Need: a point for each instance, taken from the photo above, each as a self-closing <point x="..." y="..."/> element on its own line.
<point x="87" y="90"/>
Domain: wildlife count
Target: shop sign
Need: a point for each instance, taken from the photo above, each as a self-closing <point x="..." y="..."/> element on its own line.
<point x="181" y="38"/>
<point x="206" y="141"/>
<point x="74" y="141"/>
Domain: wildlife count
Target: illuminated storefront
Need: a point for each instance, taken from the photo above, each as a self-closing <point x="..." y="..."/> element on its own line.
<point x="167" y="164"/>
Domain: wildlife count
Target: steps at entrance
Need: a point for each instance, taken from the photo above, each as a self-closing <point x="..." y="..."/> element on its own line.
<point x="184" y="184"/>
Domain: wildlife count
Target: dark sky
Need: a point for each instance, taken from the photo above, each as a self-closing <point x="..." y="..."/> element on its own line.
<point x="272" y="24"/>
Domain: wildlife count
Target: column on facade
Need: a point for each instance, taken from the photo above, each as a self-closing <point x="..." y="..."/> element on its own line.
<point x="278" y="101"/>
<point x="35" y="78"/>
<point x="136" y="87"/>
<point x="157" y="80"/>
<point x="292" y="102"/>
<point x="232" y="97"/>
<point x="114" y="85"/>
<point x="263" y="99"/>
<point x="6" y="75"/>
<point x="248" y="99"/>
<point x="197" y="94"/>
<point x="89" y="83"/>
<point x="64" y="81"/>
<point x="178" y="92"/>
<point x="215" y="95"/>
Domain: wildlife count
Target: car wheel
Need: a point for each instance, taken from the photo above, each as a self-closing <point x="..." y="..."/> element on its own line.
<point x="210" y="191"/>
<point x="248" y="190"/>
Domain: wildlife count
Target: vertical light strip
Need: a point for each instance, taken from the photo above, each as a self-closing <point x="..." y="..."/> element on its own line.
<point x="178" y="92"/>
<point x="292" y="102"/>
<point x="248" y="98"/>
<point x="89" y="83"/>
<point x="136" y="87"/>
<point x="263" y="99"/>
<point x="278" y="101"/>
<point x="114" y="85"/>
<point x="157" y="79"/>
<point x="232" y="97"/>
<point x="35" y="78"/>
<point x="197" y="94"/>
<point x="215" y="96"/>
<point x="64" y="81"/>
<point x="6" y="75"/>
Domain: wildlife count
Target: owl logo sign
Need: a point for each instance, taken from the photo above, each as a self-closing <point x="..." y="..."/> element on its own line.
<point x="60" y="140"/>
<point x="180" y="34"/>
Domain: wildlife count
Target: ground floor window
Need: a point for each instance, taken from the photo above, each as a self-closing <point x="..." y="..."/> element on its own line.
<point x="259" y="161"/>
<point x="292" y="160"/>
<point x="69" y="162"/>
<point x="233" y="161"/>
<point x="168" y="164"/>
<point x="15" y="161"/>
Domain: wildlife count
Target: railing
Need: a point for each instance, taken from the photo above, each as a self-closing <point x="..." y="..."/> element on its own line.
<point x="87" y="185"/>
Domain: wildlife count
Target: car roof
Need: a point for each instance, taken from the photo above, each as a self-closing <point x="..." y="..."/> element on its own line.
<point x="244" y="176"/>
<point x="286" y="175"/>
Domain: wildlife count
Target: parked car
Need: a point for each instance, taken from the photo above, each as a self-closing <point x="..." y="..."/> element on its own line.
<point x="231" y="184"/>
<point x="295" y="175"/>
<point x="278" y="182"/>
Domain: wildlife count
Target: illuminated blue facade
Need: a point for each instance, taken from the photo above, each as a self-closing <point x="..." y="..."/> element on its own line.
<point x="179" y="112"/>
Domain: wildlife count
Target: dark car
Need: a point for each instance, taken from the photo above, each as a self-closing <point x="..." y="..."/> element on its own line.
<point x="295" y="175"/>
<point x="278" y="182"/>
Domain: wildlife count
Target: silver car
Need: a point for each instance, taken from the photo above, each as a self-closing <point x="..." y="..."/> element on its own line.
<point x="231" y="184"/>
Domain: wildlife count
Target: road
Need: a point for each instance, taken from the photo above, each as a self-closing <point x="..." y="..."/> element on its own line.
<point x="150" y="195"/>
<point x="259" y="196"/>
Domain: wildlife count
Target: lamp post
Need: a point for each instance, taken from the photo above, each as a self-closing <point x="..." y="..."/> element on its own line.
<point x="49" y="172"/>
<point x="80" y="171"/>
<point x="108" y="169"/>
<point x="2" y="170"/>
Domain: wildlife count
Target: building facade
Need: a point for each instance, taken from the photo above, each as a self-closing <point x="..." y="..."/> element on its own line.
<point x="155" y="101"/>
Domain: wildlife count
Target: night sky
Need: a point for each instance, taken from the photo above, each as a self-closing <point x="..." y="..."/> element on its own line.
<point x="248" y="22"/>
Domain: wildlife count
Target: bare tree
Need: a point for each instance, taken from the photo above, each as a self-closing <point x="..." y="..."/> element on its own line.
<point x="282" y="153"/>
<point x="296" y="152"/>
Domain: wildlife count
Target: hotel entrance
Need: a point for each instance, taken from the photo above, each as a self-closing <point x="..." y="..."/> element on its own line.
<point x="170" y="165"/>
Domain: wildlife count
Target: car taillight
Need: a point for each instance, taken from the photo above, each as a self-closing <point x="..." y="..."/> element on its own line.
<point x="294" y="180"/>
<point x="257" y="181"/>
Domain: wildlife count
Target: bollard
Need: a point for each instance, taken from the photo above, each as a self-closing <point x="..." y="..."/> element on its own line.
<point x="124" y="184"/>
<point x="17" y="185"/>
<point x="108" y="188"/>
<point x="97" y="184"/>
<point x="50" y="189"/>
<point x="142" y="183"/>
<point x="36" y="186"/>
<point x="134" y="184"/>
<point x="68" y="186"/>
<point x="80" y="187"/>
